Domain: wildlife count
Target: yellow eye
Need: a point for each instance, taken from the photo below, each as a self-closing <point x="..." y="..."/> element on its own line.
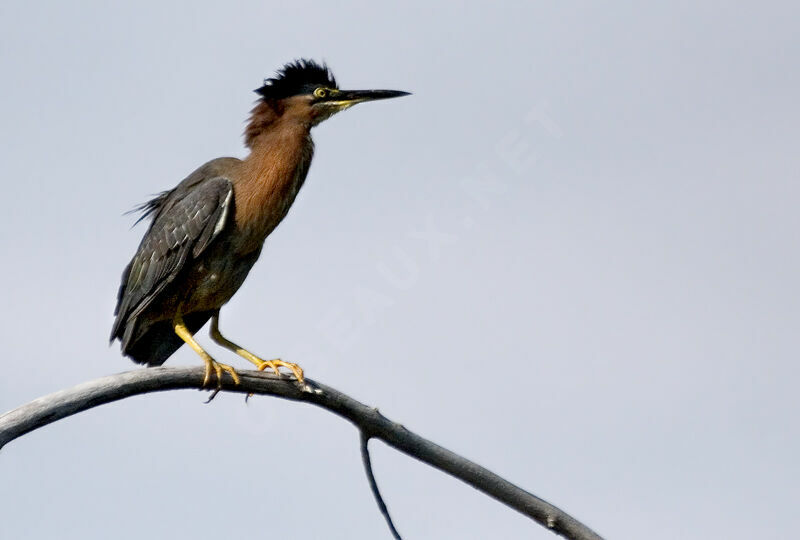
<point x="320" y="93"/>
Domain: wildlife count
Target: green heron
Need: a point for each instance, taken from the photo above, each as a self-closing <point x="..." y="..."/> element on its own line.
<point x="207" y="232"/>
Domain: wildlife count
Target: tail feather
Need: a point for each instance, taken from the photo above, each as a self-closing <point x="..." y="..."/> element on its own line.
<point x="158" y="341"/>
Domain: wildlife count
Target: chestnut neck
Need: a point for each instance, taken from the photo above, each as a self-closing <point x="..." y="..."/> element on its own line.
<point x="272" y="174"/>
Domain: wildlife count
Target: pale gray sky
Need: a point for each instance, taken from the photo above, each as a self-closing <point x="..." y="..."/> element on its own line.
<point x="571" y="256"/>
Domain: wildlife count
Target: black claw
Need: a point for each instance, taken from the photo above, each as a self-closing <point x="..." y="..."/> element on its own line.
<point x="213" y="395"/>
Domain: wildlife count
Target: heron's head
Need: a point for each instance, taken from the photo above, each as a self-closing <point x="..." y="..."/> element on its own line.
<point x="307" y="91"/>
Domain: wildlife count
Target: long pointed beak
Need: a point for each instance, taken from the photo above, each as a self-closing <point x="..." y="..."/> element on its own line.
<point x="351" y="97"/>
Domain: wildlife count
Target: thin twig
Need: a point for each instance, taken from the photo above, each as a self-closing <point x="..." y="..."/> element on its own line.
<point x="373" y="485"/>
<point x="58" y="405"/>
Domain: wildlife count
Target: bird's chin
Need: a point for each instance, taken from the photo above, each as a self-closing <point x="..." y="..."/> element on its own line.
<point x="329" y="110"/>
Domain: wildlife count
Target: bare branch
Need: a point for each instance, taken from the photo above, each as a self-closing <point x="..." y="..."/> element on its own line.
<point x="373" y="485"/>
<point x="369" y="421"/>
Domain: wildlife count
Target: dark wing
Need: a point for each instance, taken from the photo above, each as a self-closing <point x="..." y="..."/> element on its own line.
<point x="186" y="220"/>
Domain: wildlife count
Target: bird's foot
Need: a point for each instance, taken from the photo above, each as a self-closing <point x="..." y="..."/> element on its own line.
<point x="296" y="370"/>
<point x="217" y="368"/>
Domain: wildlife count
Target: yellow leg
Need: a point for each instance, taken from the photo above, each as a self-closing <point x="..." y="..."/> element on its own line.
<point x="180" y="328"/>
<point x="244" y="353"/>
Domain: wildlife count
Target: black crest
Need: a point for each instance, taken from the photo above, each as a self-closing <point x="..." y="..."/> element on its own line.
<point x="298" y="77"/>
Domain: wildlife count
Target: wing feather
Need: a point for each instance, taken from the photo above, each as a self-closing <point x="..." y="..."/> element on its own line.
<point x="186" y="221"/>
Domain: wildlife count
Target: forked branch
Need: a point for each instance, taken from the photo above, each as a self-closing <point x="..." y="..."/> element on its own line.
<point x="371" y="424"/>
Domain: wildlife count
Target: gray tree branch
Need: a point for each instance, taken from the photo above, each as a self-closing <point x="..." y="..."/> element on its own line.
<point x="369" y="421"/>
<point x="373" y="485"/>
